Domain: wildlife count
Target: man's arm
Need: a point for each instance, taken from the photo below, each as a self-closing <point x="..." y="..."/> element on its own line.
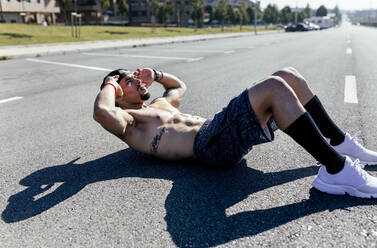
<point x="113" y="119"/>
<point x="175" y="89"/>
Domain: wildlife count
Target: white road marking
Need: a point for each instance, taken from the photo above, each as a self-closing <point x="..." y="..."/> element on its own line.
<point x="350" y="90"/>
<point x="11" y="99"/>
<point x="251" y="47"/>
<point x="349" y="41"/>
<point x="142" y="56"/>
<point x="196" y="59"/>
<point x="349" y="50"/>
<point x="69" y="65"/>
<point x="174" y="50"/>
<point x="227" y="52"/>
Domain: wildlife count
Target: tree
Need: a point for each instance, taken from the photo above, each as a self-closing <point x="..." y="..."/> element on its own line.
<point x="105" y="4"/>
<point x="243" y="16"/>
<point x="250" y="13"/>
<point x="337" y="14"/>
<point x="221" y="12"/>
<point x="181" y="12"/>
<point x="286" y="15"/>
<point x="301" y="16"/>
<point x="64" y="6"/>
<point x="271" y="14"/>
<point x="197" y="12"/>
<point x="123" y="6"/>
<point x="230" y="14"/>
<point x="308" y="11"/>
<point x="154" y="10"/>
<point x="321" y="11"/>
<point x="164" y="12"/>
<point x="209" y="9"/>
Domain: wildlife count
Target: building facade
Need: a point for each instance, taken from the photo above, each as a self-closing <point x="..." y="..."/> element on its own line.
<point x="91" y="12"/>
<point x="140" y="13"/>
<point x="31" y="11"/>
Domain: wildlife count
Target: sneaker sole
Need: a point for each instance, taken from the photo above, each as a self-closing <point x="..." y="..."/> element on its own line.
<point x="339" y="189"/>
<point x="363" y="163"/>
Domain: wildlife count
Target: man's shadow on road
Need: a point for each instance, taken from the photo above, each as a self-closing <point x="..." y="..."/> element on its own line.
<point x="196" y="205"/>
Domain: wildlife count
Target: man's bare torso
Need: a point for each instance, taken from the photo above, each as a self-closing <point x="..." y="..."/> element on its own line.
<point x="163" y="131"/>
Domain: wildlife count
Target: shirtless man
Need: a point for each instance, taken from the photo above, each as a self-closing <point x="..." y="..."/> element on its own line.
<point x="282" y="100"/>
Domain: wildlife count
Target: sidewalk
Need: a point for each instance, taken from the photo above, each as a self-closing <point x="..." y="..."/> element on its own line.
<point x="38" y="50"/>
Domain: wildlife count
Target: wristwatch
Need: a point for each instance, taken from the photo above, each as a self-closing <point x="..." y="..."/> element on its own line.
<point x="157" y="75"/>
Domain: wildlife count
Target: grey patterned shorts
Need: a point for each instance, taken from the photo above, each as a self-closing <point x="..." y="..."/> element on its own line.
<point x="231" y="133"/>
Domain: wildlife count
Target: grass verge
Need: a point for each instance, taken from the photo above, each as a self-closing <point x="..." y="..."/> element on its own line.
<point x="23" y="34"/>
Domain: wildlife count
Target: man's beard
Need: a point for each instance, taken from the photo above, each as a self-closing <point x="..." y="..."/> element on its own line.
<point x="145" y="96"/>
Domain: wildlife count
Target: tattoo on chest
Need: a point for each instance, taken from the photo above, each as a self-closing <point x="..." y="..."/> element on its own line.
<point x="156" y="140"/>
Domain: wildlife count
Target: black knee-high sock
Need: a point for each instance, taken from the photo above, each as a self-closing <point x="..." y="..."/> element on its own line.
<point x="325" y="124"/>
<point x="305" y="132"/>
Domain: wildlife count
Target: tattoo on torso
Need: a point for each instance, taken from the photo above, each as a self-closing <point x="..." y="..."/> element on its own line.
<point x="156" y="140"/>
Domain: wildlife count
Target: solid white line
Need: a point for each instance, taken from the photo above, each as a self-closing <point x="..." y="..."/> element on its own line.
<point x="349" y="50"/>
<point x="69" y="65"/>
<point x="11" y="99"/>
<point x="350" y="90"/>
<point x="173" y="50"/>
<point x="138" y="56"/>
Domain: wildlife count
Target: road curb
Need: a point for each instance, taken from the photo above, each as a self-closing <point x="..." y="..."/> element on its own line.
<point x="39" y="50"/>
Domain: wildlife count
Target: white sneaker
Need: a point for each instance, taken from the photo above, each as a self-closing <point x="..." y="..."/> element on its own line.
<point x="352" y="179"/>
<point x="352" y="148"/>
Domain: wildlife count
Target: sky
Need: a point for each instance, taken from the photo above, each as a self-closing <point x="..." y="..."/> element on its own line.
<point x="330" y="4"/>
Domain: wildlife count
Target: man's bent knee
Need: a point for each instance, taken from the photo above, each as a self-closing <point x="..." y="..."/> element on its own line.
<point x="292" y="77"/>
<point x="277" y="83"/>
<point x="267" y="93"/>
<point x="288" y="73"/>
<point x="273" y="86"/>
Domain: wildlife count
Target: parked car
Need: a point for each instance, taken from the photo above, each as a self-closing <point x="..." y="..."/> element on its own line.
<point x="313" y="26"/>
<point x="300" y="27"/>
<point x="291" y="28"/>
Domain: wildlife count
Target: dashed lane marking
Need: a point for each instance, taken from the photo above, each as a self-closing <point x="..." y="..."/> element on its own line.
<point x="11" y="99"/>
<point x="68" y="64"/>
<point x="350" y="90"/>
<point x="174" y="50"/>
<point x="349" y="50"/>
<point x="143" y="56"/>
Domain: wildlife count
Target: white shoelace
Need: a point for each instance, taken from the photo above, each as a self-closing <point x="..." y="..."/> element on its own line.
<point x="357" y="141"/>
<point x="359" y="168"/>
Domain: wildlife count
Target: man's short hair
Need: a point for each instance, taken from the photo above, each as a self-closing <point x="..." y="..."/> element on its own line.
<point x="120" y="72"/>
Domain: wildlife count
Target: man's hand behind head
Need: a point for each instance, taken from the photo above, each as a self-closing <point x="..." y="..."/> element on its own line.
<point x="114" y="80"/>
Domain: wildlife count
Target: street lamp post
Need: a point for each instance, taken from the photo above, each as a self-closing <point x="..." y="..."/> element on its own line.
<point x="296" y="13"/>
<point x="73" y="14"/>
<point x="75" y="20"/>
<point x="255" y="16"/>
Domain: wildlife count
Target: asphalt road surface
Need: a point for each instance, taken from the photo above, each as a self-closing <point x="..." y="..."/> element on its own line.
<point x="65" y="181"/>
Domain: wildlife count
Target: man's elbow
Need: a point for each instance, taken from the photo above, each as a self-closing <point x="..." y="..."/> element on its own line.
<point x="184" y="87"/>
<point x="99" y="113"/>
